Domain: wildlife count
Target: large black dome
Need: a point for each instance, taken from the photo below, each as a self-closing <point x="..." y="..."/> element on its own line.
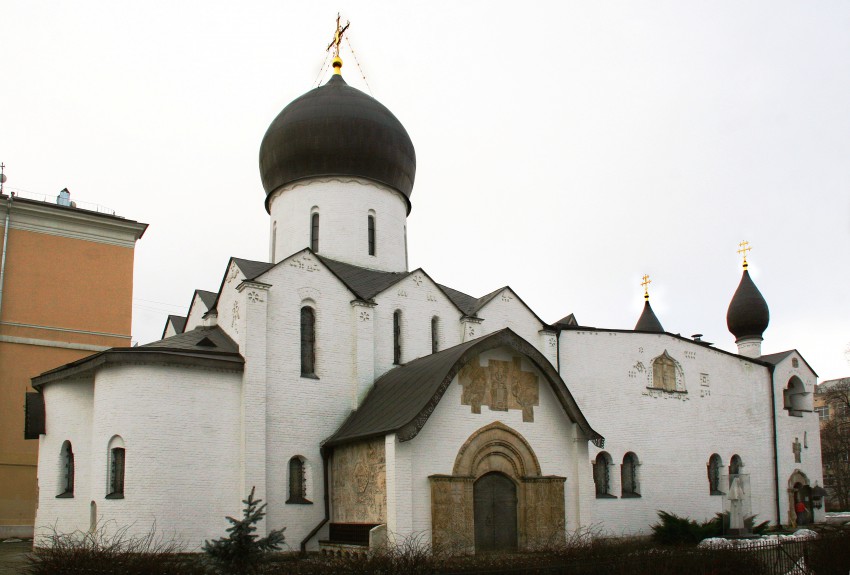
<point x="337" y="130"/>
<point x="748" y="315"/>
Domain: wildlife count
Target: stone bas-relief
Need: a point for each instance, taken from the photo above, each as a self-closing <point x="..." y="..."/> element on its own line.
<point x="500" y="385"/>
<point x="451" y="513"/>
<point x="359" y="483"/>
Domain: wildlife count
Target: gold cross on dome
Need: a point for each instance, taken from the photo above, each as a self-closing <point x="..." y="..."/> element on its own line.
<point x="645" y="283"/>
<point x="337" y="36"/>
<point x="743" y="248"/>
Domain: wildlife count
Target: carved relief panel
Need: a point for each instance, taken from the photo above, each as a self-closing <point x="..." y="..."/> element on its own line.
<point x="451" y="513"/>
<point x="500" y="385"/>
<point x="359" y="483"/>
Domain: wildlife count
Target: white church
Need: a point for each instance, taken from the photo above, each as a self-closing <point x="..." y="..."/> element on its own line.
<point x="363" y="400"/>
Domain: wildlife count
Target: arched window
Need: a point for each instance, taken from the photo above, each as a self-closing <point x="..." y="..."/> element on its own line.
<point x="735" y="467"/>
<point x="602" y="475"/>
<point x="796" y="398"/>
<point x="117" y="462"/>
<point x="308" y="341"/>
<point x="66" y="484"/>
<point x="435" y="334"/>
<point x="371" y="224"/>
<point x="314" y="232"/>
<point x="297" y="481"/>
<point x="397" y="337"/>
<point x="715" y="465"/>
<point x="629" y="475"/>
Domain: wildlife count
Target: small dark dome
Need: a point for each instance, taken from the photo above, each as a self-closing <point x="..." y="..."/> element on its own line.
<point x="337" y="130"/>
<point x="748" y="315"/>
<point x="648" y="321"/>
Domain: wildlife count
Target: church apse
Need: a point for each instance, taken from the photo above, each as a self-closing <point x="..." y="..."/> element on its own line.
<point x="359" y="483"/>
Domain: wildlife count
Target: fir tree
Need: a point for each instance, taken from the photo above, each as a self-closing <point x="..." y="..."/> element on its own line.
<point x="242" y="547"/>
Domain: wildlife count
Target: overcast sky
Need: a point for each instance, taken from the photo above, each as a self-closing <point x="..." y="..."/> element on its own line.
<point x="563" y="148"/>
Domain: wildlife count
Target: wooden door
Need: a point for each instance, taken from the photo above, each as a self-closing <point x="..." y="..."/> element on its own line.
<point x="495" y="518"/>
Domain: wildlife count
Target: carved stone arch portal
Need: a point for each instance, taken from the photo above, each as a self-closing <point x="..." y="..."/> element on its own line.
<point x="497" y="449"/>
<point x="799" y="489"/>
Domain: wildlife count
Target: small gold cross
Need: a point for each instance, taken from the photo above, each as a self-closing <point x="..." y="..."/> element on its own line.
<point x="645" y="283"/>
<point x="337" y="36"/>
<point x="743" y="248"/>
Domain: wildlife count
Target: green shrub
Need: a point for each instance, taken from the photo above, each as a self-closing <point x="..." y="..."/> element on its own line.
<point x="242" y="549"/>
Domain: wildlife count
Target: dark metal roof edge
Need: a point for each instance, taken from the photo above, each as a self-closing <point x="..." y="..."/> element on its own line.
<point x="502" y="338"/>
<point x="118" y="355"/>
<point x="788" y="352"/>
<point x="667" y="333"/>
<point x="493" y="294"/>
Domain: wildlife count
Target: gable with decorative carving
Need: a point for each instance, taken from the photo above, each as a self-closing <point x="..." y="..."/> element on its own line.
<point x="500" y="385"/>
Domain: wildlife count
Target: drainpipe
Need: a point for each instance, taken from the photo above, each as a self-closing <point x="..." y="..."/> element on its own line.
<point x="775" y="441"/>
<point x="325" y="456"/>
<point x="5" y="243"/>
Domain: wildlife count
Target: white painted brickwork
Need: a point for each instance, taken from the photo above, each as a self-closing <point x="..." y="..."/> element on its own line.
<point x="197" y="440"/>
<point x="343" y="206"/>
<point x="180" y="428"/>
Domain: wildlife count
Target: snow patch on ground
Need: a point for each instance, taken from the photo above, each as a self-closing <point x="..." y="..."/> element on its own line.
<point x="765" y="540"/>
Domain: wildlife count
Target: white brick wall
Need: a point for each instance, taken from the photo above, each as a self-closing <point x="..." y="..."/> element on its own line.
<point x="180" y="427"/>
<point x="726" y="411"/>
<point x="343" y="206"/>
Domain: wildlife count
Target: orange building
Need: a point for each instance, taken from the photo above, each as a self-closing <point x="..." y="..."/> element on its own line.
<point x="66" y="291"/>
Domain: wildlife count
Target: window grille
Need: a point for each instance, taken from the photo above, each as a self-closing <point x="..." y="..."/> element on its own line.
<point x="308" y="341"/>
<point x="714" y="467"/>
<point x="397" y="337"/>
<point x="435" y="343"/>
<point x="67" y="455"/>
<point x="371" y="223"/>
<point x="602" y="476"/>
<point x="628" y="476"/>
<point x="116" y="472"/>
<point x="314" y="232"/>
<point x="297" y="481"/>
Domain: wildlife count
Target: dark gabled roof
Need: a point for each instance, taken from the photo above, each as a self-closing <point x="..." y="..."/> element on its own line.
<point x="466" y="303"/>
<point x="203" y="346"/>
<point x="251" y="268"/>
<point x="648" y="320"/>
<point x="178" y="321"/>
<point x="567" y="322"/>
<point x="207" y="297"/>
<point x="402" y="400"/>
<point x="363" y="282"/>
<point x="778" y="357"/>
<point x="190" y="340"/>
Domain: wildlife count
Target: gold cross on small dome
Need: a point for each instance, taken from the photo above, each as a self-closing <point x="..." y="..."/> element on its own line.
<point x="743" y="248"/>
<point x="645" y="283"/>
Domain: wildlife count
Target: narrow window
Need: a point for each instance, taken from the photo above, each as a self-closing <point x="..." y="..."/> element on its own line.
<point x="67" y="462"/>
<point x="628" y="475"/>
<point x="308" y="341"/>
<point x="435" y="342"/>
<point x="371" y="235"/>
<point x="602" y="476"/>
<point x="714" y="467"/>
<point x="735" y="465"/>
<point x="274" y="241"/>
<point x="314" y="232"/>
<point x="297" y="481"/>
<point x="397" y="337"/>
<point x="116" y="473"/>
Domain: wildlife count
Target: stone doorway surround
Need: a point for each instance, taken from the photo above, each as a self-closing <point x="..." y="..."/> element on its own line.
<point x="497" y="448"/>
<point x="799" y="488"/>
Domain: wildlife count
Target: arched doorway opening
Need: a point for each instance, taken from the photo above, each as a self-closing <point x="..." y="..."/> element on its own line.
<point x="799" y="490"/>
<point x="495" y="513"/>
